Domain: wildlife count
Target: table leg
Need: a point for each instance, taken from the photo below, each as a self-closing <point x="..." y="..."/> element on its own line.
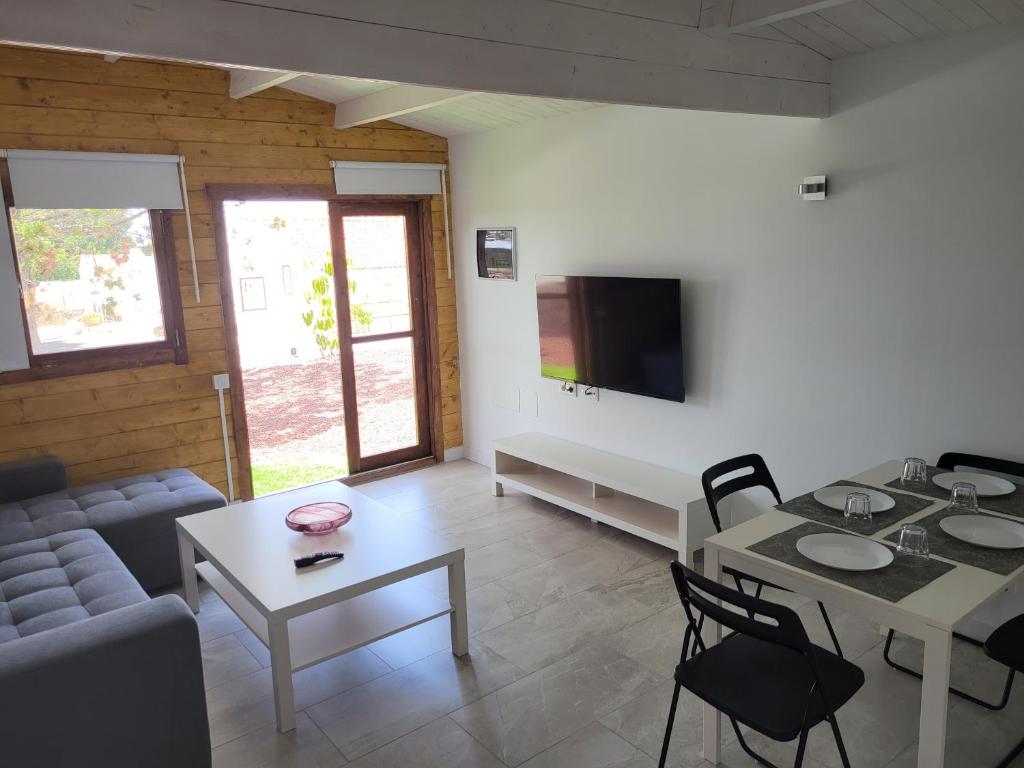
<point x="931" y="748"/>
<point x="457" y="596"/>
<point x="281" y="669"/>
<point x="712" y="635"/>
<point x="189" y="579"/>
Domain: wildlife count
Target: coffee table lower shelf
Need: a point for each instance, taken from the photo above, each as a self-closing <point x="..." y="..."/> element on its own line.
<point x="339" y="628"/>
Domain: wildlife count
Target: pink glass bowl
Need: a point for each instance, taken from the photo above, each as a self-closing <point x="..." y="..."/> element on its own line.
<point x="319" y="518"/>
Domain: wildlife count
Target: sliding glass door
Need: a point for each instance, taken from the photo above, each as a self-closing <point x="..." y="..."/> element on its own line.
<point x="326" y="324"/>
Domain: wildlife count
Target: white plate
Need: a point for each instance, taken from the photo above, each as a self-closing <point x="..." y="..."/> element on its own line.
<point x="985" y="531"/>
<point x="845" y="552"/>
<point x="987" y="485"/>
<point x="834" y="496"/>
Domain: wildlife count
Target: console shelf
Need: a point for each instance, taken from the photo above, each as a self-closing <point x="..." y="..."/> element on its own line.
<point x="652" y="502"/>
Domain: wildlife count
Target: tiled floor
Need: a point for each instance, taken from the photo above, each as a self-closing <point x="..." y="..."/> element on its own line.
<point x="575" y="632"/>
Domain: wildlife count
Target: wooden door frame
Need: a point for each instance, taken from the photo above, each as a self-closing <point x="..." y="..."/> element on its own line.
<point x="217" y="194"/>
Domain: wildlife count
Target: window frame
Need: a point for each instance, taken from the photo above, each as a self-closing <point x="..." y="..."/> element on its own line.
<point x="172" y="350"/>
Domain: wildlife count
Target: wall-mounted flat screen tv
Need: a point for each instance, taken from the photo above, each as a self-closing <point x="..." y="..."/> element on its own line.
<point x="621" y="333"/>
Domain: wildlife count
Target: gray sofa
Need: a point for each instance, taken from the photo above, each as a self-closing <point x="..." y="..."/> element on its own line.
<point x="92" y="671"/>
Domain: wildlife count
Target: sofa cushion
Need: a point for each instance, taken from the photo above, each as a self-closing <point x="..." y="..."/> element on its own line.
<point x="125" y="511"/>
<point x="60" y="579"/>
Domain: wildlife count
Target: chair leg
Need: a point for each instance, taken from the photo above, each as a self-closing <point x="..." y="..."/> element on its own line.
<point x="800" y="749"/>
<point x="1014" y="753"/>
<point x="831" y="631"/>
<point x="668" y="726"/>
<point x="1001" y="704"/>
<point x="839" y="740"/>
<point x="748" y="750"/>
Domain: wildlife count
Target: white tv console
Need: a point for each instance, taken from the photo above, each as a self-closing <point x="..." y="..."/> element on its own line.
<point x="652" y="502"/>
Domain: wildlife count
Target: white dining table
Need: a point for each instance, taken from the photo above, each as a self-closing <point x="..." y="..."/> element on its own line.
<point x="929" y="614"/>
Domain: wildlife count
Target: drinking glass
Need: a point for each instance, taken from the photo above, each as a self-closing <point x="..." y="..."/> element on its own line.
<point x="913" y="541"/>
<point x="964" y="498"/>
<point x="915" y="473"/>
<point x="858" y="508"/>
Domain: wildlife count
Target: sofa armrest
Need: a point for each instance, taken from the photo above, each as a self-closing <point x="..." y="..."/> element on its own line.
<point x="31" y="477"/>
<point x="123" y="688"/>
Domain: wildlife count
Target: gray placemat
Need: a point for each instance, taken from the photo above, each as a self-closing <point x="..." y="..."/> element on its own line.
<point x="904" y="576"/>
<point x="1011" y="504"/>
<point x="1001" y="561"/>
<point x="807" y="506"/>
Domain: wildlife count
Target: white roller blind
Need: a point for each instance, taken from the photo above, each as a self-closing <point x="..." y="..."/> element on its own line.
<point x="41" y="179"/>
<point x="13" y="347"/>
<point x="387" y="178"/>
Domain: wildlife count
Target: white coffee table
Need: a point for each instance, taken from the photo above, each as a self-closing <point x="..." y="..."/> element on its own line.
<point x="305" y="616"/>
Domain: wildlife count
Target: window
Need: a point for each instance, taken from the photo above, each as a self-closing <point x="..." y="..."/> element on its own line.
<point x="98" y="288"/>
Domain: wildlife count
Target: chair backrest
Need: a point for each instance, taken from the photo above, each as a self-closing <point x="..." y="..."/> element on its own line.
<point x="698" y="593"/>
<point x="757" y="477"/>
<point x="953" y="460"/>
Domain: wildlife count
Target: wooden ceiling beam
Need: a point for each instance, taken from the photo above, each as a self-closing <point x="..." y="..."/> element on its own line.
<point x="246" y="82"/>
<point x="393" y="102"/>
<point x="530" y="48"/>
<point x="750" y="14"/>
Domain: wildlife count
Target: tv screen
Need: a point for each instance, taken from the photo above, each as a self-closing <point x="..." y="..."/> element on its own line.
<point x="621" y="333"/>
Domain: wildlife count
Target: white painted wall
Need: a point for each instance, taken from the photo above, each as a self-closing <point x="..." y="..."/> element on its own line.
<point x="886" y="321"/>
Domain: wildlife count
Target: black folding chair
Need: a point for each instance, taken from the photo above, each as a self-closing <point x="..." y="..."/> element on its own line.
<point x="757" y="477"/>
<point x="1006" y="645"/>
<point x="950" y="461"/>
<point x="766" y="675"/>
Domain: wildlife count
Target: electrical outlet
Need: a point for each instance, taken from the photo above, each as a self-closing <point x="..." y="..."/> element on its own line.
<point x="221" y="381"/>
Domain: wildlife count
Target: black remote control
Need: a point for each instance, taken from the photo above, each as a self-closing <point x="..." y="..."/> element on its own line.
<point x="304" y="562"/>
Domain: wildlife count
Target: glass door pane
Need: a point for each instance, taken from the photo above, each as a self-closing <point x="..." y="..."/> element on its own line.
<point x="385" y="395"/>
<point x="383" y="344"/>
<point x="378" y="274"/>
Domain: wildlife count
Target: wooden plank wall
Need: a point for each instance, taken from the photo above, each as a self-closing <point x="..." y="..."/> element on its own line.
<point x="118" y="423"/>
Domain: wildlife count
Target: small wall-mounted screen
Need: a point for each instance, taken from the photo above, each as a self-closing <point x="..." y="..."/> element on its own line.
<point x="621" y="333"/>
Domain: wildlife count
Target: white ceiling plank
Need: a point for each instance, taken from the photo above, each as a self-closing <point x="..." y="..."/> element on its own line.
<point x="969" y="12"/>
<point x="538" y="48"/>
<point x="393" y="102"/>
<point x="246" y="82"/>
<point x="685" y="12"/>
<point x="831" y="32"/>
<point x="906" y="17"/>
<point x="748" y="14"/>
<point x="1003" y="11"/>
<point x="867" y="24"/>
<point x="937" y="14"/>
<point x="811" y="39"/>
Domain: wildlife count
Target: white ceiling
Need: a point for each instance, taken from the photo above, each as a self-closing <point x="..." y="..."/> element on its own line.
<point x="479" y="112"/>
<point x="839" y="28"/>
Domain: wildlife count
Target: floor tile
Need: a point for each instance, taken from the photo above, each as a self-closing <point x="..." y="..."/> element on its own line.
<point x="655" y="642"/>
<point x="247" y="703"/>
<point x="254" y="646"/>
<point x="440" y="744"/>
<point x="540" y="638"/>
<point x="225" y="659"/>
<point x="525" y="718"/>
<point x="305" y="747"/>
<point x="414" y="644"/>
<point x="592" y="747"/>
<point x="568" y="574"/>
<point x="361" y="720"/>
<point x="641" y="722"/>
<point x="215" y="620"/>
<point x="498" y="560"/>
